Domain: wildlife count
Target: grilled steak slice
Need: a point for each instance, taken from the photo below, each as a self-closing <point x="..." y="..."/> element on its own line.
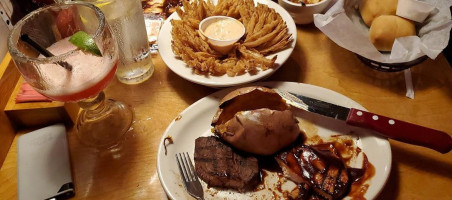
<point x="318" y="166"/>
<point x="219" y="165"/>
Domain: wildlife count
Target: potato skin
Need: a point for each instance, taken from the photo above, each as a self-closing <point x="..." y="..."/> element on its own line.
<point x="244" y="91"/>
<point x="386" y="28"/>
<point x="371" y="9"/>
<point x="248" y="98"/>
<point x="256" y="120"/>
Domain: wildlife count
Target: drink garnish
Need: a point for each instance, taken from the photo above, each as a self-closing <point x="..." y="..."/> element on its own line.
<point x="102" y="4"/>
<point x="85" y="42"/>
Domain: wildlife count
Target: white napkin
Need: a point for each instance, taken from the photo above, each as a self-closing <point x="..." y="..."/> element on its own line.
<point x="415" y="10"/>
<point x="409" y="84"/>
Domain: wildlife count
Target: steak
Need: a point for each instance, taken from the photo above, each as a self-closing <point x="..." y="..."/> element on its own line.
<point x="319" y="169"/>
<point x="219" y="165"/>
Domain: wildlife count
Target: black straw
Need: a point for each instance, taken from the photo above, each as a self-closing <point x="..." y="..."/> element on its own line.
<point x="43" y="51"/>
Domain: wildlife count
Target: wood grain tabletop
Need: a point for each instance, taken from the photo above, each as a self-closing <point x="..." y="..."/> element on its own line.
<point x="131" y="171"/>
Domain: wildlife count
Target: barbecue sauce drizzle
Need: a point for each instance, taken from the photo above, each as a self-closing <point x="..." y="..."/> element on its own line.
<point x="357" y="176"/>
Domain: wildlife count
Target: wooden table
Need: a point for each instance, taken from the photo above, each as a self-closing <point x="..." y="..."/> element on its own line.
<point x="131" y="173"/>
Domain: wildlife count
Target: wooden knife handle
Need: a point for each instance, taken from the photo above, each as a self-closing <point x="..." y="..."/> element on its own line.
<point x="401" y="131"/>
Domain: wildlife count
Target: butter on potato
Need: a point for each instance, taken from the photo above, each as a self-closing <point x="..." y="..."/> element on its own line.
<point x="371" y="9"/>
<point x="386" y="28"/>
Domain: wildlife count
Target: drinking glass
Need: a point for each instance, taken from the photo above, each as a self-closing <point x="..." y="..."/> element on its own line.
<point x="126" y="20"/>
<point x="72" y="74"/>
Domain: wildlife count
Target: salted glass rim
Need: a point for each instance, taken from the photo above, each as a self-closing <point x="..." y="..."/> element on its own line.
<point x="19" y="56"/>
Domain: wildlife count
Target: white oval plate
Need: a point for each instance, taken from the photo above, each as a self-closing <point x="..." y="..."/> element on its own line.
<point x="179" y="67"/>
<point x="195" y="122"/>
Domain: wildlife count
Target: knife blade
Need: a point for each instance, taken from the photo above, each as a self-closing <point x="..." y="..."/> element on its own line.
<point x="388" y="127"/>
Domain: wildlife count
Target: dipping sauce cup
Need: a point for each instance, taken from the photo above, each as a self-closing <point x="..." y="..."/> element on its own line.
<point x="221" y="32"/>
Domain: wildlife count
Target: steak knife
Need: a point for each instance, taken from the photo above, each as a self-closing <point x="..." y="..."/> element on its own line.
<point x="387" y="127"/>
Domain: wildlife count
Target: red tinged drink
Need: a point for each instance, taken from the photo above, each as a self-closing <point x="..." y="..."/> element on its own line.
<point x="76" y="68"/>
<point x="89" y="76"/>
<point x="88" y="92"/>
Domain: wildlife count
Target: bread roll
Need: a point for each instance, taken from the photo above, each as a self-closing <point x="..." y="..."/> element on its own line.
<point x="371" y="9"/>
<point x="386" y="28"/>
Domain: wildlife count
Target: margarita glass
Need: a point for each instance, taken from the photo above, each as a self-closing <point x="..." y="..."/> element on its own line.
<point x="101" y="123"/>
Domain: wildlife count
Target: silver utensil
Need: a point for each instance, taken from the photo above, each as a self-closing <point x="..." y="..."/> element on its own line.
<point x="189" y="177"/>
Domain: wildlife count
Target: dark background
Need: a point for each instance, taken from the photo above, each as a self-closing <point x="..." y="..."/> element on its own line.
<point x="448" y="50"/>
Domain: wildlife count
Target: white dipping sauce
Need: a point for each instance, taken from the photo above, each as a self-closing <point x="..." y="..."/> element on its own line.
<point x="224" y="29"/>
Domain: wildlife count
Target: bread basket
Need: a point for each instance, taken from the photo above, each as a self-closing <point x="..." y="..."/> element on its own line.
<point x="343" y="24"/>
<point x="390" y="67"/>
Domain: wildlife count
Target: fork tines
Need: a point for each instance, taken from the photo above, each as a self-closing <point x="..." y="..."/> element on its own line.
<point x="188" y="176"/>
<point x="186" y="168"/>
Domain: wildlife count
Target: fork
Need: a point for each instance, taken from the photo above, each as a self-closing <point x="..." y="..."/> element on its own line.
<point x="189" y="177"/>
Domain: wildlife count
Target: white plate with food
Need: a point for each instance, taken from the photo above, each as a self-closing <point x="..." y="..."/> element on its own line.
<point x="178" y="66"/>
<point x="195" y="122"/>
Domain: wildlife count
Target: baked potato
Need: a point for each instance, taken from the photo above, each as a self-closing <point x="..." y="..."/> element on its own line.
<point x="255" y="120"/>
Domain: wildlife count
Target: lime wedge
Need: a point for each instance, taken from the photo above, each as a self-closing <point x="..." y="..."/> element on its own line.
<point x="85" y="42"/>
<point x="102" y="4"/>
